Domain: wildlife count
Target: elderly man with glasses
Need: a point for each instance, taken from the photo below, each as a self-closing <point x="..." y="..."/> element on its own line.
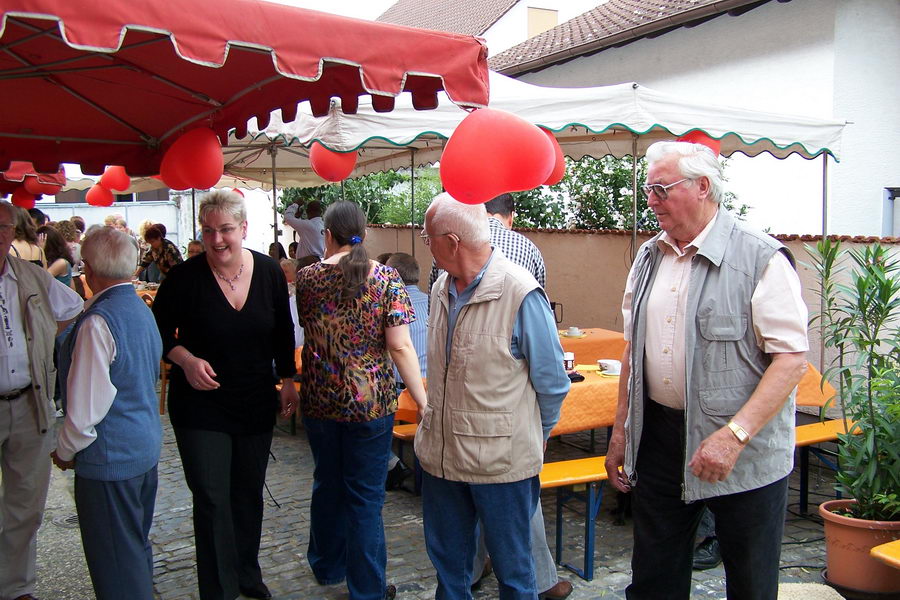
<point x="716" y="332"/>
<point x="495" y="386"/>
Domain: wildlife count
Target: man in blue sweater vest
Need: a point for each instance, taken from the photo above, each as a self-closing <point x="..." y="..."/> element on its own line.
<point x="112" y="435"/>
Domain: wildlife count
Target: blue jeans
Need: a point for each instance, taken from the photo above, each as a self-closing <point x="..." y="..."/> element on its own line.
<point x="450" y="510"/>
<point x="346" y="537"/>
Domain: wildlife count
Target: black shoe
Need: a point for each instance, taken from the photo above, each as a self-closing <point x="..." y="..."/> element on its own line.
<point x="389" y="592"/>
<point x="396" y="476"/>
<point x="258" y="591"/>
<point x="707" y="555"/>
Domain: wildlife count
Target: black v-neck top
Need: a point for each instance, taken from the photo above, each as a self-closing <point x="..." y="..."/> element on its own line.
<point x="248" y="349"/>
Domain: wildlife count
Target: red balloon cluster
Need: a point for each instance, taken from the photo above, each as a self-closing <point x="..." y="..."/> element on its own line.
<point x="22" y="198"/>
<point x="493" y="152"/>
<point x="700" y="137"/>
<point x="113" y="178"/>
<point x="36" y="188"/>
<point x="194" y="161"/>
<point x="330" y="165"/>
<point x="559" y="161"/>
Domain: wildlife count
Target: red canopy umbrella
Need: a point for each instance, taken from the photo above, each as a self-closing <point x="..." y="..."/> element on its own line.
<point x="99" y="82"/>
<point x="18" y="171"/>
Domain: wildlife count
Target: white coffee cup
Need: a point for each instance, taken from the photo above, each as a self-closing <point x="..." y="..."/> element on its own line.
<point x="610" y="366"/>
<point x="573" y="331"/>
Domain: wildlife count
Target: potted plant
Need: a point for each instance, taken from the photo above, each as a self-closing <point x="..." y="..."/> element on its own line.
<point x="860" y="322"/>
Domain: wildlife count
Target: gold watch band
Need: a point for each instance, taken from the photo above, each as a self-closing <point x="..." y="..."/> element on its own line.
<point x="739" y="432"/>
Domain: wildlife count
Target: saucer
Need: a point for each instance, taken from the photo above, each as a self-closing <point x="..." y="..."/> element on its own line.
<point x="565" y="334"/>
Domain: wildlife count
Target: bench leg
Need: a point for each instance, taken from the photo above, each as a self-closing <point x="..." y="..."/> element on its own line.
<point x="804" y="479"/>
<point x="592" y="507"/>
<point x="559" y="525"/>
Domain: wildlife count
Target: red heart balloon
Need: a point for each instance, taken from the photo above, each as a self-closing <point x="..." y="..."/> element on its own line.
<point x="99" y="196"/>
<point x="194" y="161"/>
<point x="700" y="137"/>
<point x="492" y="152"/>
<point x="33" y="186"/>
<point x="22" y="198"/>
<point x="115" y="178"/>
<point x="329" y="165"/>
<point x="559" y="164"/>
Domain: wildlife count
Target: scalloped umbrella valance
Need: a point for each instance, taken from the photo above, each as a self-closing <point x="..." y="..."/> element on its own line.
<point x="99" y="82"/>
<point x="15" y="175"/>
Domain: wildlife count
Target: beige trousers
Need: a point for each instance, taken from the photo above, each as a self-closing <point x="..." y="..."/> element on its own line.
<point x="24" y="478"/>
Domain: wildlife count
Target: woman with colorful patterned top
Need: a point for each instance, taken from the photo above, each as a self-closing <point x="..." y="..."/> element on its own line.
<point x="355" y="315"/>
<point x="162" y="252"/>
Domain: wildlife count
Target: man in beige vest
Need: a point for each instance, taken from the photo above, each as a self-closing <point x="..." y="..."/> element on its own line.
<point x="495" y="385"/>
<point x="34" y="307"/>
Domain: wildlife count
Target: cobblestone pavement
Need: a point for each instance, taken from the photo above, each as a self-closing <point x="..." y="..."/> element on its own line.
<point x="62" y="574"/>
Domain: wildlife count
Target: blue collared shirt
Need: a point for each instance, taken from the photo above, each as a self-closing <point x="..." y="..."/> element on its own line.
<point x="534" y="339"/>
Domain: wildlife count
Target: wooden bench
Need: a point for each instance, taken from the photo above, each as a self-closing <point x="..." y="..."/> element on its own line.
<point x="590" y="472"/>
<point x="888" y="553"/>
<point x="806" y="437"/>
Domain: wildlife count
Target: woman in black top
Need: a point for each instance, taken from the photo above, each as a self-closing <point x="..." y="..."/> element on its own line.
<point x="224" y="318"/>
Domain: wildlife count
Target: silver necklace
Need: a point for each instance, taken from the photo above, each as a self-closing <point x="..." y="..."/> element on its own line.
<point x="231" y="281"/>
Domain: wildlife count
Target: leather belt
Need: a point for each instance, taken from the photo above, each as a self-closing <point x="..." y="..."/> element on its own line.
<point x="15" y="394"/>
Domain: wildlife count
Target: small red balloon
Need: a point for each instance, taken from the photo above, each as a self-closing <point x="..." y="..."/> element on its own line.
<point x="329" y="165"/>
<point x="99" y="196"/>
<point x="22" y="198"/>
<point x="493" y="152"/>
<point x="33" y="186"/>
<point x="700" y="137"/>
<point x="194" y="160"/>
<point x="115" y="178"/>
<point x="559" y="165"/>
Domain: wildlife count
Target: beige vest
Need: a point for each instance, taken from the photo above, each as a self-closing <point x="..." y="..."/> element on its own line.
<point x="482" y="423"/>
<point x="40" y="333"/>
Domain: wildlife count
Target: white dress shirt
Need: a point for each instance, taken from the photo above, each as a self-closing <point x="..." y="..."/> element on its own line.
<point x="65" y="304"/>
<point x="89" y="390"/>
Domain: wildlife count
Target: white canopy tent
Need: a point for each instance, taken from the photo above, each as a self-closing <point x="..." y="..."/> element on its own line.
<point x="618" y="120"/>
<point x="610" y="120"/>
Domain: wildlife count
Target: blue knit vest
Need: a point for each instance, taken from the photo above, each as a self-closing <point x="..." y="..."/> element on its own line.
<point x="129" y="436"/>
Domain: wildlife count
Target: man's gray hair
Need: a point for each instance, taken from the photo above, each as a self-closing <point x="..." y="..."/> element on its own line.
<point x="10" y="209"/>
<point x="110" y="253"/>
<point x="224" y="201"/>
<point x="468" y="221"/>
<point x="695" y="161"/>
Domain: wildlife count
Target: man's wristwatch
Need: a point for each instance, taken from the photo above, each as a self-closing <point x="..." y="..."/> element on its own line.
<point x="739" y="432"/>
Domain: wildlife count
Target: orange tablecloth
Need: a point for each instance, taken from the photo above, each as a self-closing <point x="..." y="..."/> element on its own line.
<point x="590" y="404"/>
<point x="595" y="344"/>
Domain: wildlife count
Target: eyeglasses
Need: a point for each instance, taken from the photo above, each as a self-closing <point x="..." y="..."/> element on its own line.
<point x="223" y="231"/>
<point x="427" y="238"/>
<point x="661" y="191"/>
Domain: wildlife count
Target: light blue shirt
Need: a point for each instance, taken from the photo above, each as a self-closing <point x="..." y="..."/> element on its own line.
<point x="534" y="339"/>
<point x="418" y="329"/>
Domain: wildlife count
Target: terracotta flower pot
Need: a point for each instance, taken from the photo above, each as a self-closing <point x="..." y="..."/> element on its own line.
<point x="848" y="541"/>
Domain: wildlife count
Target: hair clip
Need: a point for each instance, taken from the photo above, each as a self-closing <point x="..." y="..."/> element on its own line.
<point x="355" y="240"/>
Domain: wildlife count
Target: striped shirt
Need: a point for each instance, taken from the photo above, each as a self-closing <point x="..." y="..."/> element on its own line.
<point x="516" y="247"/>
<point x="418" y="329"/>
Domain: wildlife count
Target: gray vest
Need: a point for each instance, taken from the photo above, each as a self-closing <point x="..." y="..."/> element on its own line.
<point x="723" y="363"/>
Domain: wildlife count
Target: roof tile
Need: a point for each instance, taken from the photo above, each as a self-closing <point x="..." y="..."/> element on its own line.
<point x="608" y="20"/>
<point x="458" y="16"/>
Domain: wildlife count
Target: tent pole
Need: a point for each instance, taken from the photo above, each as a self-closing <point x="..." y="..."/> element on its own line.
<point x="634" y="197"/>
<point x="193" y="214"/>
<point x="273" y="150"/>
<point x="343" y="191"/>
<point x="824" y="235"/>
<point x="412" y="201"/>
